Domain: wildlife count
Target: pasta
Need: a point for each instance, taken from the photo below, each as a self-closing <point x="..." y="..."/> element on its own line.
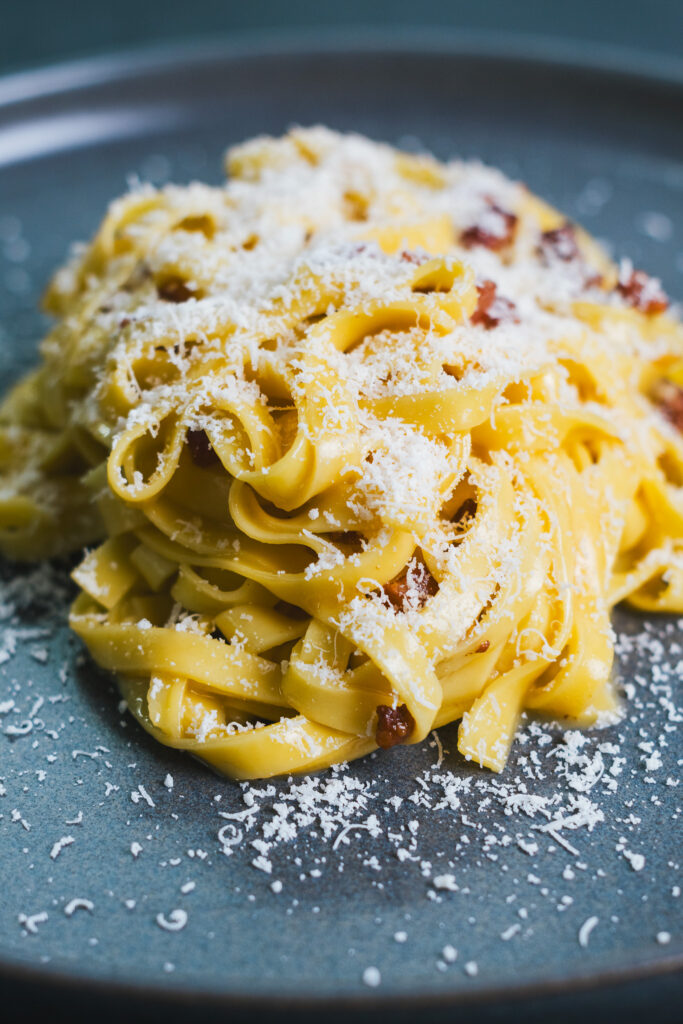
<point x="360" y="444"/>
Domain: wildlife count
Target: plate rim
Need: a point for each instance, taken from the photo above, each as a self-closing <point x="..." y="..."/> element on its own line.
<point x="173" y="994"/>
<point x="63" y="77"/>
<point x="61" y="81"/>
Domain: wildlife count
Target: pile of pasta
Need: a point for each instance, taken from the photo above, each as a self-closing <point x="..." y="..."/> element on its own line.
<point x="360" y="444"/>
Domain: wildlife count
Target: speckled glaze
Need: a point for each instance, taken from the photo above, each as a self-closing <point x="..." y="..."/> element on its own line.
<point x="604" y="144"/>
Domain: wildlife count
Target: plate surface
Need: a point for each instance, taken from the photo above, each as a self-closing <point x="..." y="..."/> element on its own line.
<point x="448" y="883"/>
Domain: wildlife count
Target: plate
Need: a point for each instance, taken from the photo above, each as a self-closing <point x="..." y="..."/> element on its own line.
<point x="410" y="879"/>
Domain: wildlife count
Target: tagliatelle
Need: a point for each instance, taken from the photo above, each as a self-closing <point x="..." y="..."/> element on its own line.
<point x="369" y="444"/>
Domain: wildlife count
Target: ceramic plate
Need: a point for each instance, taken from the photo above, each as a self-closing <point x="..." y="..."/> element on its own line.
<point x="412" y="878"/>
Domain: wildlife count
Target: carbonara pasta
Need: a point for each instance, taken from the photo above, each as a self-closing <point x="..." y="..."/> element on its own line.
<point x="360" y="444"/>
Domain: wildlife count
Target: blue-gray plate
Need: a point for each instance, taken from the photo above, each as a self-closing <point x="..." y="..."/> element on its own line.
<point x="412" y="880"/>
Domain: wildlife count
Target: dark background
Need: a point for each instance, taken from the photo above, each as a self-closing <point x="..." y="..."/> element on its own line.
<point x="34" y="32"/>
